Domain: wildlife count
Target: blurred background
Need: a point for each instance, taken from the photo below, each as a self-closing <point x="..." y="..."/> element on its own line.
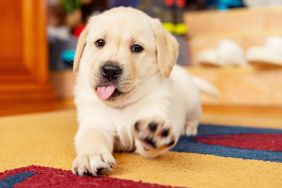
<point x="235" y="44"/>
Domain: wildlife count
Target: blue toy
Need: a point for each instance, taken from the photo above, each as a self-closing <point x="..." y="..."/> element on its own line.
<point x="225" y="4"/>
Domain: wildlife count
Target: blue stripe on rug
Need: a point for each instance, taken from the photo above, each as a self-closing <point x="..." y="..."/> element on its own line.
<point x="205" y="129"/>
<point x="187" y="144"/>
<point x="11" y="181"/>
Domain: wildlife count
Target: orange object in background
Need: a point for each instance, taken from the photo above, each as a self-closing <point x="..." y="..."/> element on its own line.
<point x="24" y="75"/>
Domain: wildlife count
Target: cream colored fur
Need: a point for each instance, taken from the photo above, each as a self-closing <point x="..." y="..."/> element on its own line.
<point x="151" y="91"/>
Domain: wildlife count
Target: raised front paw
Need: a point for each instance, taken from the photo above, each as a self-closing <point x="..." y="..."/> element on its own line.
<point x="93" y="164"/>
<point x="154" y="136"/>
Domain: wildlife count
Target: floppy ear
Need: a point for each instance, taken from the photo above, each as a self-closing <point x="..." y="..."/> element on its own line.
<point x="167" y="48"/>
<point x="79" y="48"/>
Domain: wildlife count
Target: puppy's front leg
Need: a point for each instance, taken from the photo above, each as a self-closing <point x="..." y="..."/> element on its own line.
<point x="94" y="152"/>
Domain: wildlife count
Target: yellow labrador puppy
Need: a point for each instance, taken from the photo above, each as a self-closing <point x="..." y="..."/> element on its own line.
<point x="128" y="95"/>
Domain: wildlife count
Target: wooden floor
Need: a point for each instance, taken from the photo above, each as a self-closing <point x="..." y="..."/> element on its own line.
<point x="270" y="117"/>
<point x="15" y="109"/>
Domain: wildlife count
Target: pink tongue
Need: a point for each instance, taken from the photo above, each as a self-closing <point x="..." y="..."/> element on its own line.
<point x="104" y="92"/>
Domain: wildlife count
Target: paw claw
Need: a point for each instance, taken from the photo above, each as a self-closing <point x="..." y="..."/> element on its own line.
<point x="87" y="173"/>
<point x="92" y="164"/>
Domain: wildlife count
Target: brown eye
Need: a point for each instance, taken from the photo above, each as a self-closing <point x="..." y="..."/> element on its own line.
<point x="100" y="43"/>
<point x="136" y="48"/>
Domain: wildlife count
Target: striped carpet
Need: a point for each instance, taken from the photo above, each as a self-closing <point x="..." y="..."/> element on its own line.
<point x="37" y="151"/>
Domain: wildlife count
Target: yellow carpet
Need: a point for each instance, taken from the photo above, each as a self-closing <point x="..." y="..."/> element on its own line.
<point x="47" y="140"/>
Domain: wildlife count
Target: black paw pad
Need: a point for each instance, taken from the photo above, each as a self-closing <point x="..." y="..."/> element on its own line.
<point x="150" y="141"/>
<point x="165" y="133"/>
<point x="152" y="126"/>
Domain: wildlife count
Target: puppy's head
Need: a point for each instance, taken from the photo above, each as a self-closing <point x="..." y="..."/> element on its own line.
<point x="121" y="49"/>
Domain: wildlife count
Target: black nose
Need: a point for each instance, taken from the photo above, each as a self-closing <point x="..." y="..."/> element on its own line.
<point x="111" y="71"/>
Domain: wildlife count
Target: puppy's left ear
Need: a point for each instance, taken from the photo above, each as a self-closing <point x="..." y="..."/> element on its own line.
<point x="167" y="48"/>
<point x="79" y="48"/>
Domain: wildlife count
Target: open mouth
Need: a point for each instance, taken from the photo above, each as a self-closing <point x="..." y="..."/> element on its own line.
<point x="107" y="91"/>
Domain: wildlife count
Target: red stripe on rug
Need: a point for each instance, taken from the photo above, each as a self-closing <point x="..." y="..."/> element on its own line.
<point x="267" y="142"/>
<point x="45" y="177"/>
